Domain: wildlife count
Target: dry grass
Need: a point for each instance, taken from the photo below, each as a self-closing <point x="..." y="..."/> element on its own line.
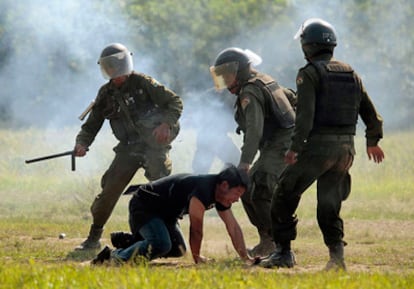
<point x="40" y="201"/>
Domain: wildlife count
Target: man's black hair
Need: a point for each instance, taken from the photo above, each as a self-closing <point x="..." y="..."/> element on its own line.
<point x="234" y="176"/>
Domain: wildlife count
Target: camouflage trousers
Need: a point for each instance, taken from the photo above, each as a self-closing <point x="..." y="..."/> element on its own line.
<point x="328" y="165"/>
<point x="264" y="177"/>
<point x="126" y="163"/>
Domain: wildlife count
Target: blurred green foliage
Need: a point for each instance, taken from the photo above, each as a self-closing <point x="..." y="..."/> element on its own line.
<point x="182" y="38"/>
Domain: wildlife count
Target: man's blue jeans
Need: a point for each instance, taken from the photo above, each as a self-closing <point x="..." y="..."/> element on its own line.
<point x="156" y="242"/>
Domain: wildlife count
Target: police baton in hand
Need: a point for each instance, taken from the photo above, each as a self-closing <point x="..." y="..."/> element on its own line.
<point x="68" y="153"/>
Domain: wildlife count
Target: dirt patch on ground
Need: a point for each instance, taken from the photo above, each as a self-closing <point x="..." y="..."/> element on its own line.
<point x="373" y="246"/>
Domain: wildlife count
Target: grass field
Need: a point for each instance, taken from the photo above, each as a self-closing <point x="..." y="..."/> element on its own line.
<point x="41" y="200"/>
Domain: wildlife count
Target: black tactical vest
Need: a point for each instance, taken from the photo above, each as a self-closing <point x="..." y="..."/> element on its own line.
<point x="279" y="112"/>
<point x="338" y="98"/>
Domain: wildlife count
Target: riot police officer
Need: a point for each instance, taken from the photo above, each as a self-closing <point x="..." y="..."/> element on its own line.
<point x="143" y="115"/>
<point x="330" y="98"/>
<point x="265" y="116"/>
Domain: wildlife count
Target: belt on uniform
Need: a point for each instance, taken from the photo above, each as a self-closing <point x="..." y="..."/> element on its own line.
<point x="132" y="142"/>
<point x="332" y="137"/>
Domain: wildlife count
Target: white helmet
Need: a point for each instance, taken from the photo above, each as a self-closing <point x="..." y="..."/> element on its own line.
<point x="115" y="61"/>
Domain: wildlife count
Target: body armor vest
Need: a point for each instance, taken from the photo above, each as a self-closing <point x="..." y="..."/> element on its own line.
<point x="337" y="101"/>
<point x="279" y="112"/>
<point x="131" y="111"/>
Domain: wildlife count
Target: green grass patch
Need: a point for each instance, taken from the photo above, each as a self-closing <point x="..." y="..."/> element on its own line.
<point x="41" y="200"/>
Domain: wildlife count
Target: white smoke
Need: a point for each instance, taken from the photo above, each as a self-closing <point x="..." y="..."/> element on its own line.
<point x="373" y="41"/>
<point x="51" y="74"/>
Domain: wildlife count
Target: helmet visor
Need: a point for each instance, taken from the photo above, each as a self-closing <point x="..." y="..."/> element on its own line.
<point x="308" y="22"/>
<point x="224" y="74"/>
<point x="116" y="65"/>
<point x="303" y="26"/>
<point x="254" y="58"/>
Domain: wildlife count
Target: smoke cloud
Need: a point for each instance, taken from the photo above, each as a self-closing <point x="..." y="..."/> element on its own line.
<point x="373" y="41"/>
<point x="50" y="73"/>
<point x="53" y="75"/>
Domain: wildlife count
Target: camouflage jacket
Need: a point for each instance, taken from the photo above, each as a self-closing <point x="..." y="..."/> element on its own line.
<point x="251" y="116"/>
<point x="133" y="110"/>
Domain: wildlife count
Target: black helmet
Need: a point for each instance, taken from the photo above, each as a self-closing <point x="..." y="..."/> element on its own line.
<point x="230" y="55"/>
<point x="233" y="61"/>
<point x="115" y="61"/>
<point x="316" y="31"/>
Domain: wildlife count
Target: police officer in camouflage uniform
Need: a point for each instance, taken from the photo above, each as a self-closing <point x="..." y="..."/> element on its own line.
<point x="143" y="115"/>
<point x="265" y="115"/>
<point x="330" y="98"/>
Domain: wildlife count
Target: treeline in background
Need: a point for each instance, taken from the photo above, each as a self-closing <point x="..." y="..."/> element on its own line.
<point x="49" y="49"/>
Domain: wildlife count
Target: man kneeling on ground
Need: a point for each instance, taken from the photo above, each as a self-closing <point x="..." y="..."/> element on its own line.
<point x="155" y="208"/>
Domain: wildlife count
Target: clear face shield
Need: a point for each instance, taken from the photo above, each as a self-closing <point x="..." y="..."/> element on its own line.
<point x="254" y="58"/>
<point x="116" y="65"/>
<point x="303" y="26"/>
<point x="224" y="75"/>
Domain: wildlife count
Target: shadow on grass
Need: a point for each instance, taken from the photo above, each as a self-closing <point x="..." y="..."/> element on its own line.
<point x="81" y="256"/>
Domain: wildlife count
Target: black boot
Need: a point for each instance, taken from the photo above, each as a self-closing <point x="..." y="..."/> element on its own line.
<point x="92" y="242"/>
<point x="265" y="247"/>
<point x="336" y="261"/>
<point x="122" y="240"/>
<point x="282" y="257"/>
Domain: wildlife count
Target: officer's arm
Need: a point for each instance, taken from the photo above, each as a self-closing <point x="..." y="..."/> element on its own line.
<point x="235" y="233"/>
<point x="305" y="111"/>
<point x="92" y="125"/>
<point x="371" y="119"/>
<point x="373" y="123"/>
<point x="254" y="127"/>
<point x="166" y="99"/>
<point x="196" y="214"/>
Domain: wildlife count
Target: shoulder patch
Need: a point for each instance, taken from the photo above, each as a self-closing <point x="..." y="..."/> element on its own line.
<point x="244" y="102"/>
<point x="299" y="80"/>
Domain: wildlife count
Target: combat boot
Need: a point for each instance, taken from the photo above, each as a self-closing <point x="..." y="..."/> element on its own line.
<point x="265" y="247"/>
<point x="281" y="257"/>
<point x="336" y="261"/>
<point x="102" y="256"/>
<point x="92" y="242"/>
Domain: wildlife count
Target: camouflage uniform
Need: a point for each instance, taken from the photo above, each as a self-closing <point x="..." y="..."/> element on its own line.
<point x="261" y="134"/>
<point x="133" y="110"/>
<point x="323" y="138"/>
